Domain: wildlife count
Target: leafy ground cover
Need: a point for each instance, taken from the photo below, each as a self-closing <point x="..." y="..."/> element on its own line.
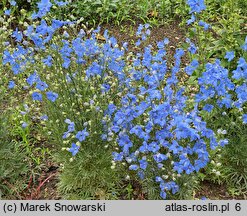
<point x="151" y="105"/>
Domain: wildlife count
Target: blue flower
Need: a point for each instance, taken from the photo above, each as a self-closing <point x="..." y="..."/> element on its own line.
<point x="196" y="6"/>
<point x="74" y="149"/>
<point x="191" y="20"/>
<point x="105" y="87"/>
<point x="242" y="63"/>
<point x="56" y="24"/>
<point x="172" y="186"/>
<point x="143" y="164"/>
<point x="41" y="85"/>
<point x="158" y="179"/>
<point x="161" y="44"/>
<point x="52" y="96"/>
<point x="163" y="194"/>
<point x="241" y="93"/>
<point x="33" y="78"/>
<point x="141" y="174"/>
<point x="60" y="3"/>
<point x="244" y="46"/>
<point x="208" y="107"/>
<point x="8" y="58"/>
<point x="94" y="69"/>
<point x="138" y="43"/>
<point x="7" y="12"/>
<point x="223" y="142"/>
<point x="81" y="135"/>
<point x="125" y="46"/>
<point x="144" y="147"/>
<point x="11" y="84"/>
<point x="37" y="96"/>
<point x="104" y="137"/>
<point x="244" y="117"/>
<point x="133" y="167"/>
<point x="229" y="56"/>
<point x="48" y="61"/>
<point x="44" y="117"/>
<point x="66" y="135"/>
<point x="68" y="121"/>
<point x="160" y="157"/>
<point x="192" y="49"/>
<point x="139" y="30"/>
<point x="146" y="26"/>
<point x="153" y="147"/>
<point x="71" y="127"/>
<point x="17" y="35"/>
<point x="204" y="25"/>
<point x="175" y="147"/>
<point x="44" y="7"/>
<point x="13" y="3"/>
<point x="238" y="73"/>
<point x="24" y="125"/>
<point x="117" y="156"/>
<point x="192" y="67"/>
<point x="111" y="109"/>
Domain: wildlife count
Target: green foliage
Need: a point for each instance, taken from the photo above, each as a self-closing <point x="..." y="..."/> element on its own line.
<point x="14" y="167"/>
<point x="89" y="175"/>
<point x="227" y="19"/>
<point x="229" y="164"/>
<point x="20" y="154"/>
<point x="188" y="184"/>
<point x="116" y="11"/>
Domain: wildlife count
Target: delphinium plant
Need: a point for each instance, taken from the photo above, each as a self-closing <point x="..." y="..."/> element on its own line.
<point x="160" y="136"/>
<point x="72" y="98"/>
<point x="225" y="113"/>
<point x="222" y="96"/>
<point x="13" y="152"/>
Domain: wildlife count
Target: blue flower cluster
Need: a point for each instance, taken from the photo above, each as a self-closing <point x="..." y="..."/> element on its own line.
<point x="143" y="32"/>
<point x="80" y="136"/>
<point x="196" y="7"/>
<point x="215" y="83"/>
<point x="23" y="54"/>
<point x="44" y="7"/>
<point x="154" y="127"/>
<point x="227" y="88"/>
